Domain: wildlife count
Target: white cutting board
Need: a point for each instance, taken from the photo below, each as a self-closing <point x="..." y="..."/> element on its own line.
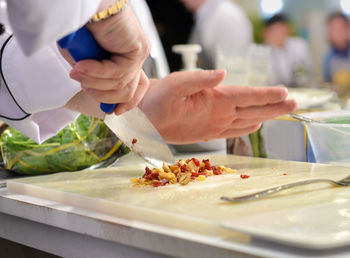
<point x="315" y="216"/>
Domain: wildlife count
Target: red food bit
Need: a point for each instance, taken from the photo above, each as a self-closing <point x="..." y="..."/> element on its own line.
<point x="148" y="170"/>
<point x="207" y="164"/>
<point x="134" y="141"/>
<point x="148" y="177"/>
<point x="284" y="174"/>
<point x="217" y="172"/>
<point x="160" y="183"/>
<point x="204" y="174"/>
<point x="201" y="169"/>
<point x="156" y="184"/>
<point x="194" y="174"/>
<point x="183" y="168"/>
<point x="196" y="162"/>
<point x="244" y="176"/>
<point x="151" y="176"/>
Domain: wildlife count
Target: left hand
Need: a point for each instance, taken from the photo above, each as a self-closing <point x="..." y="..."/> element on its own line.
<point x="119" y="79"/>
<point x="189" y="107"/>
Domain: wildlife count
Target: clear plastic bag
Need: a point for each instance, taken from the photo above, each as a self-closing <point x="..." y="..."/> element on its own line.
<point x="329" y="140"/>
<point x="86" y="142"/>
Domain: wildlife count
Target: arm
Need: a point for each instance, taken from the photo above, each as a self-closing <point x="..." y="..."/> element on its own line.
<point x="27" y="84"/>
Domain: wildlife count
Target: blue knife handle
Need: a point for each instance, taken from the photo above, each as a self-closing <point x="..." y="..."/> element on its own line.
<point x="82" y="45"/>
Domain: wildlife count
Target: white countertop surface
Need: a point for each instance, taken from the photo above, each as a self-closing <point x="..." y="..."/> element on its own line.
<point x="130" y="237"/>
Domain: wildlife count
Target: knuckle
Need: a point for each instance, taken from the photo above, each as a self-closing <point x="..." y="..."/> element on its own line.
<point x="143" y="48"/>
<point x="129" y="96"/>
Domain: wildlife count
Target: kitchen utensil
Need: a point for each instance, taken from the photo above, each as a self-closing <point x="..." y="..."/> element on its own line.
<point x="303" y="118"/>
<point x="249" y="197"/>
<point x="132" y="127"/>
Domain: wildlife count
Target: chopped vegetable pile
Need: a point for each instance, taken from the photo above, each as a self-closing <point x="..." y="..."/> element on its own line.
<point x="183" y="172"/>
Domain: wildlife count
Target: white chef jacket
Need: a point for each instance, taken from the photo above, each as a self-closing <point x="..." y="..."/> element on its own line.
<point x="220" y="24"/>
<point x="34" y="88"/>
<point x="285" y="62"/>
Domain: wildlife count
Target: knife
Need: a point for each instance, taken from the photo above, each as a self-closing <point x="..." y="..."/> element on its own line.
<point x="132" y="127"/>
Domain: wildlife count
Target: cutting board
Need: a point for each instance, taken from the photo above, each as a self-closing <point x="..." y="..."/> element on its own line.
<point x="296" y="217"/>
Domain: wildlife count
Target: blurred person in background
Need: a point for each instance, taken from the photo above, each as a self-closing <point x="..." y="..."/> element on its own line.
<point x="290" y="61"/>
<point x="337" y="60"/>
<point x="218" y="24"/>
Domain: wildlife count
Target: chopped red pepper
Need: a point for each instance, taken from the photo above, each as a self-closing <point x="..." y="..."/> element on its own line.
<point x="148" y="170"/>
<point x="194" y="174"/>
<point x="196" y="162"/>
<point x="244" y="176"/>
<point x="207" y="164"/>
<point x="284" y="174"/>
<point x="183" y="168"/>
<point x="217" y="172"/>
<point x="148" y="177"/>
<point x="134" y="141"/>
<point x="156" y="184"/>
<point x="204" y="174"/>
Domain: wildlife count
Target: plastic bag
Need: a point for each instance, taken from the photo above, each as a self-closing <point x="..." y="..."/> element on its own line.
<point x="84" y="143"/>
<point x="329" y="140"/>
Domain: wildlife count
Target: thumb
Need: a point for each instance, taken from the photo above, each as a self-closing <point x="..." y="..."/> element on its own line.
<point x="190" y="82"/>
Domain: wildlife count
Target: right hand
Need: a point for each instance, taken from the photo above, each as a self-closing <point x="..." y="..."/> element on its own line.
<point x="119" y="79"/>
<point x="192" y="106"/>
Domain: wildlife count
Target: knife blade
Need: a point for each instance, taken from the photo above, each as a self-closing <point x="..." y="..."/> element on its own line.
<point x="132" y="127"/>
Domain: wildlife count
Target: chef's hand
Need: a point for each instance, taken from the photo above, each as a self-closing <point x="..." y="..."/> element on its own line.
<point x="188" y="107"/>
<point x="120" y="79"/>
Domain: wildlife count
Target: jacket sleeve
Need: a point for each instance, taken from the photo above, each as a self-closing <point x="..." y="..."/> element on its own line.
<point x="34" y="90"/>
<point x="37" y="23"/>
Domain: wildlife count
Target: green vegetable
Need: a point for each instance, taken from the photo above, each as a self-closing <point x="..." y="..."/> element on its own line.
<point x="81" y="144"/>
<point x="338" y="120"/>
<point x="257" y="143"/>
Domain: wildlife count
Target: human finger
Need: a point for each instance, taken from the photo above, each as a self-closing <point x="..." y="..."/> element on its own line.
<point x="244" y="123"/>
<point x="115" y="96"/>
<point x="267" y="111"/>
<point x="234" y="132"/>
<point x="140" y="92"/>
<point x="245" y="96"/>
<point x="94" y="83"/>
<point x="190" y="82"/>
<point x="106" y="69"/>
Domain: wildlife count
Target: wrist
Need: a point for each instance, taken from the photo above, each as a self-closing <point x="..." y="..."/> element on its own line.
<point x="103" y="27"/>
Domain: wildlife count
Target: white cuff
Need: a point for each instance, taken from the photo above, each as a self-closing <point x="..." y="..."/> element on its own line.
<point x="43" y="125"/>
